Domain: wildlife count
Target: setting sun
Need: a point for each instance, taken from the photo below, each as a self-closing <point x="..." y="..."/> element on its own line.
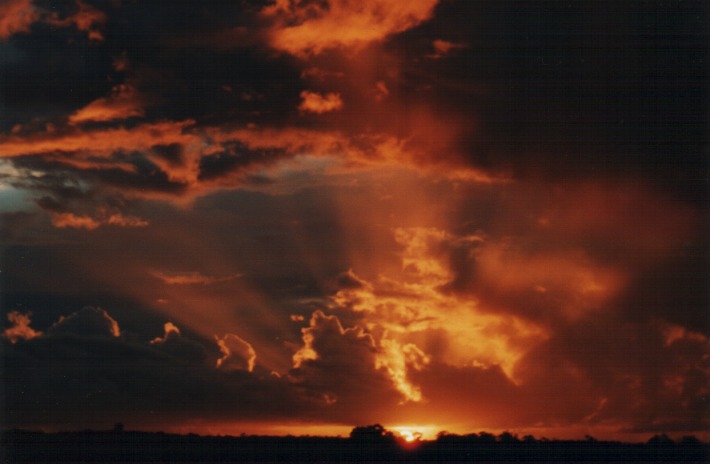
<point x="408" y="435"/>
<point x="415" y="433"/>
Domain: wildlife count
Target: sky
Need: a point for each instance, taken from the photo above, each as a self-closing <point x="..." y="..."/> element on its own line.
<point x="300" y="216"/>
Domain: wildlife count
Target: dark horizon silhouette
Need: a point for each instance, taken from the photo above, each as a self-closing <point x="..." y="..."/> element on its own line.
<point x="364" y="444"/>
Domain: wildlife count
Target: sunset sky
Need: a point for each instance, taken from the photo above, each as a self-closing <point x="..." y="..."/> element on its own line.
<point x="299" y="216"/>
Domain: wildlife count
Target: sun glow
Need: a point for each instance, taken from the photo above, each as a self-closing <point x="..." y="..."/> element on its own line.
<point x="415" y="433"/>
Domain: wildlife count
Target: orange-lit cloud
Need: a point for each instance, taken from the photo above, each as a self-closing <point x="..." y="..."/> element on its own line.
<point x="101" y="149"/>
<point x="69" y="220"/>
<point x="192" y="278"/>
<point x="570" y="283"/>
<point x="305" y="27"/>
<point x="64" y="220"/>
<point x="170" y="330"/>
<point x="20" y="329"/>
<point x="335" y="368"/>
<point x="398" y="359"/>
<point x="364" y="150"/>
<point x="86" y="19"/>
<point x="444" y="47"/>
<point x="87" y="322"/>
<point x="16" y="16"/>
<point x="123" y="103"/>
<point x="99" y="142"/>
<point x="236" y="353"/>
<point x="312" y="102"/>
<point x="415" y="306"/>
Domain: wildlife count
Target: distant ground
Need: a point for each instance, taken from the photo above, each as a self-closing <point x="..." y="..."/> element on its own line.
<point x="366" y="444"/>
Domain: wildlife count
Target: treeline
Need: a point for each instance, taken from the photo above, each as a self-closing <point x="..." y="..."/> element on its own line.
<point x="365" y="444"/>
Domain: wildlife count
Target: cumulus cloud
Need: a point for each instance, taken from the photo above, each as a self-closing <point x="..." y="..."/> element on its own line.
<point x="399" y="360"/>
<point x="180" y="347"/>
<point x="312" y="102"/>
<point x="20" y="329"/>
<point x="171" y="330"/>
<point x="95" y="378"/>
<point x="415" y="307"/>
<point x="307" y="27"/>
<point x="236" y="353"/>
<point x="87" y="322"/>
<point x="337" y="368"/>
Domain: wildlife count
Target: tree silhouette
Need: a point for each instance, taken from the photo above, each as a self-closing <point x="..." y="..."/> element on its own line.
<point x="372" y="434"/>
<point x="508" y="438"/>
<point x="690" y="440"/>
<point x="661" y="439"/>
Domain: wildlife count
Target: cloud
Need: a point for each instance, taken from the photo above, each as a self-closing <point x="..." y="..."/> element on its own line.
<point x="20" y="329"/>
<point x="87" y="322"/>
<point x="580" y="366"/>
<point x="99" y="142"/>
<point x="16" y="16"/>
<point x="443" y="48"/>
<point x="350" y="281"/>
<point x="351" y="152"/>
<point x="467" y="397"/>
<point x="70" y="220"/>
<point x="94" y="378"/>
<point x="85" y="18"/>
<point x="336" y="368"/>
<point x="192" y="278"/>
<point x="415" y="307"/>
<point x="312" y="102"/>
<point x="171" y="330"/>
<point x="182" y="348"/>
<point x="557" y="252"/>
<point x="304" y="28"/>
<point x="236" y="353"/>
<point x="112" y="158"/>
<point x="399" y="360"/>
<point x="123" y="103"/>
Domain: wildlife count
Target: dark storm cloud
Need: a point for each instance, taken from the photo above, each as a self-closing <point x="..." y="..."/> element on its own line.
<point x="89" y="375"/>
<point x="86" y="372"/>
<point x="646" y="373"/>
<point x="331" y="366"/>
<point x="547" y="239"/>
<point x="572" y="89"/>
<point x="235" y="157"/>
<point x="87" y="322"/>
<point x="201" y="83"/>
